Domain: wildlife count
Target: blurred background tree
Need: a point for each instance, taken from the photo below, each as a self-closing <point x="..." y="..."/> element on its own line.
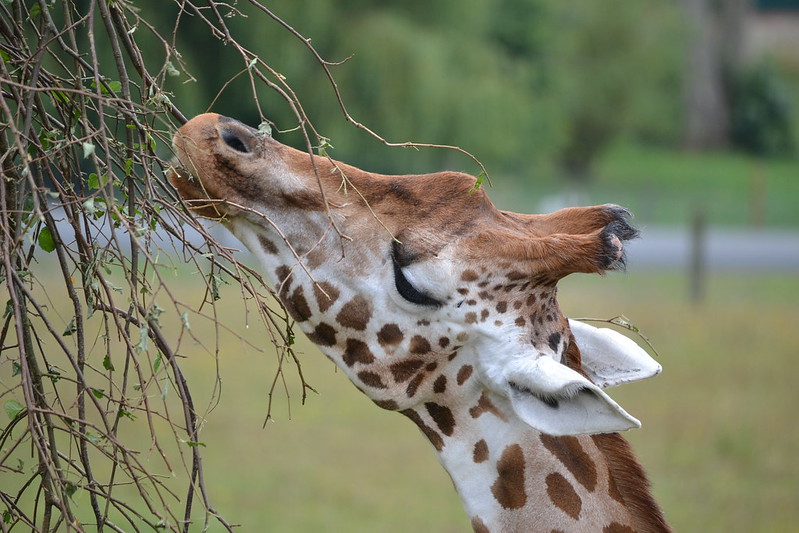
<point x="533" y="86"/>
<point x="524" y="82"/>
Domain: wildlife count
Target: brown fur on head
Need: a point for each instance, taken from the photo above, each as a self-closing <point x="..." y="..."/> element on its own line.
<point x="228" y="165"/>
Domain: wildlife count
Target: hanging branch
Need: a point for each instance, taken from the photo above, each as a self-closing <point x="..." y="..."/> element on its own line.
<point x="86" y="220"/>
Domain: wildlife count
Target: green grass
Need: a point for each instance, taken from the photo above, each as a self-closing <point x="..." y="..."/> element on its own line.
<point x="720" y="432"/>
<point x="666" y="186"/>
<point x="719" y="436"/>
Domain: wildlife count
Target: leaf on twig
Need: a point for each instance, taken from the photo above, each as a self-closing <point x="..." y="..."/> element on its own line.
<point x="623" y="322"/>
<point x="88" y="150"/>
<point x="13" y="408"/>
<point x="46" y="240"/>
<point x="70" y="329"/>
<point x="141" y="346"/>
<point x="479" y="183"/>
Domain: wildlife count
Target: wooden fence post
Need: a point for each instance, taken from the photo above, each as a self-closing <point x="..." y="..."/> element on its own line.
<point x="697" y="268"/>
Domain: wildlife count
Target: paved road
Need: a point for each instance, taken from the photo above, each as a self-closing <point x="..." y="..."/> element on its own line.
<point x="768" y="250"/>
<point x="724" y="249"/>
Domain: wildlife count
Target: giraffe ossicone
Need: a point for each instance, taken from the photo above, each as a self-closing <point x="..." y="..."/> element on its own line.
<point x="442" y="307"/>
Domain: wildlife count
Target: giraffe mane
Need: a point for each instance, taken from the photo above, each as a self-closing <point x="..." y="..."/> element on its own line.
<point x="632" y="483"/>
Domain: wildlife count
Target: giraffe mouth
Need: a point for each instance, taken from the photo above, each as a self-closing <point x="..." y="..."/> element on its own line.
<point x="194" y="192"/>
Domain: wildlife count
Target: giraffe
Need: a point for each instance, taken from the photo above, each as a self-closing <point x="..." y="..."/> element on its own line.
<point x="440" y="306"/>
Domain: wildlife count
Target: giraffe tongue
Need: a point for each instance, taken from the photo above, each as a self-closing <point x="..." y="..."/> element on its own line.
<point x="556" y="400"/>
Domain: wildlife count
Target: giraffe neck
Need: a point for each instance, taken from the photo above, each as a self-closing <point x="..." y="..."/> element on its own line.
<point x="511" y="477"/>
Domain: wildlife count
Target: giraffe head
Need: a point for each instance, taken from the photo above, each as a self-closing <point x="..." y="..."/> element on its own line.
<point x="424" y="293"/>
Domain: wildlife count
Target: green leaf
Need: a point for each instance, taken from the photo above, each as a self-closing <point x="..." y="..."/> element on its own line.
<point x="184" y="318"/>
<point x="6" y="513"/>
<point x="70" y="329"/>
<point x="265" y="128"/>
<point x="157" y="362"/>
<point x="143" y="338"/>
<point x="61" y="96"/>
<point x="479" y="183"/>
<point x="113" y="86"/>
<point x="98" y="393"/>
<point x="88" y="150"/>
<point x="46" y="241"/>
<point x="13" y="408"/>
<point x="95" y="182"/>
<point x="171" y="70"/>
<point x="194" y="444"/>
<point x="70" y="488"/>
<point x="324" y="145"/>
<point x="215" y="287"/>
<point x="107" y="364"/>
<point x="54" y="374"/>
<point x="16" y="369"/>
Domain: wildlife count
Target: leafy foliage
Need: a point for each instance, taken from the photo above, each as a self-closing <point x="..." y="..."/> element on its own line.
<point x="762" y="109"/>
<point x="525" y="82"/>
<point x="87" y="122"/>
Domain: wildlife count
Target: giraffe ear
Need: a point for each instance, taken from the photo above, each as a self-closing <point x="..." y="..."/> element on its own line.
<point x="609" y="358"/>
<point x="556" y="400"/>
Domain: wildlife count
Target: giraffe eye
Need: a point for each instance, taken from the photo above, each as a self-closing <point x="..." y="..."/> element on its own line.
<point x="404" y="287"/>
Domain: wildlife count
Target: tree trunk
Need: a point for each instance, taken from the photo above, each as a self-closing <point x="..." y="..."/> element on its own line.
<point x="716" y="42"/>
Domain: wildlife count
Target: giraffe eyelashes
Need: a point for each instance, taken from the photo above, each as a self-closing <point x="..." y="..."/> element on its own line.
<point x="404" y="287"/>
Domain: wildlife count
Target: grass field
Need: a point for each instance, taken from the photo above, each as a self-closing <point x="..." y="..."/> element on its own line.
<point x="719" y="437"/>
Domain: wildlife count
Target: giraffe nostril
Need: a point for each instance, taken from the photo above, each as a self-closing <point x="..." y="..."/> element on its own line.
<point x="231" y="139"/>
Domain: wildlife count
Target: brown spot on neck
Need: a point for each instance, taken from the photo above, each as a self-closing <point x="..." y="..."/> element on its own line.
<point x="464" y="373"/>
<point x="480" y="453"/>
<point x="571" y="454"/>
<point x="404" y="370"/>
<point x="357" y="351"/>
<point x="509" y="489"/>
<point x="485" y="405"/>
<point x="479" y="526"/>
<point x="440" y="384"/>
<point x="469" y="275"/>
<point x="419" y="345"/>
<point x="323" y="335"/>
<point x="442" y="416"/>
<point x="371" y="379"/>
<point x="389" y="335"/>
<point x="326" y="295"/>
<point x="355" y="314"/>
<point x="267" y="245"/>
<point x="563" y="495"/>
<point x="431" y="434"/>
